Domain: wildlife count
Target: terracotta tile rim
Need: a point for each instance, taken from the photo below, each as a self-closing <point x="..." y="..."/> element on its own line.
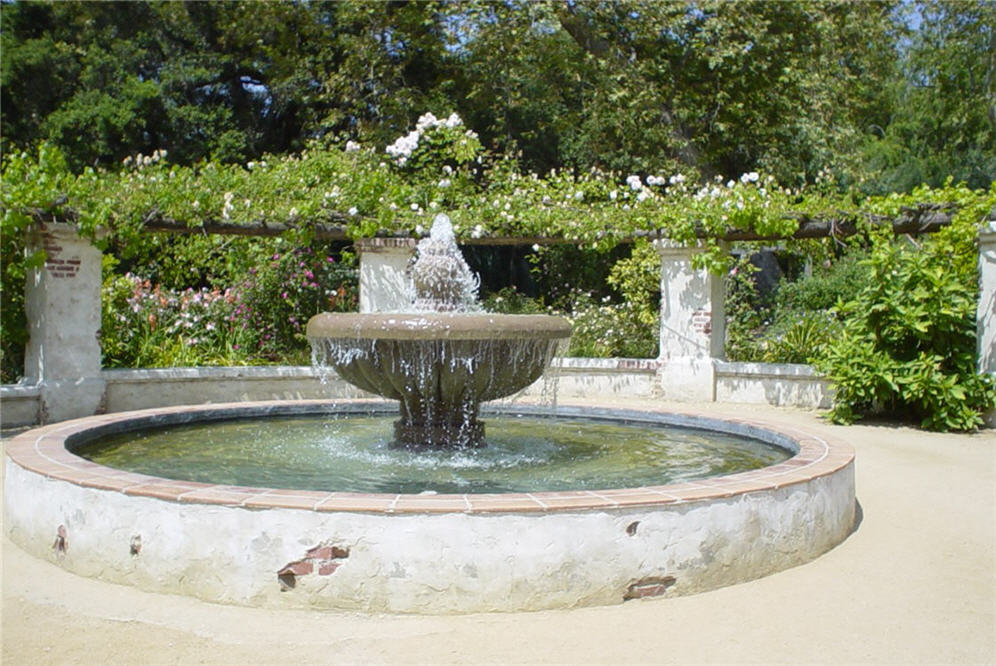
<point x="44" y="451"/>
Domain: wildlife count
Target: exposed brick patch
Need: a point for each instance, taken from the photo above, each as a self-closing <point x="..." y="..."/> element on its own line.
<point x="654" y="586"/>
<point x="57" y="265"/>
<point x="326" y="558"/>
<point x="328" y="568"/>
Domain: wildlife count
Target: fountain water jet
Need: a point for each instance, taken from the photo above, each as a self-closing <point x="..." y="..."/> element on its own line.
<point x="445" y="357"/>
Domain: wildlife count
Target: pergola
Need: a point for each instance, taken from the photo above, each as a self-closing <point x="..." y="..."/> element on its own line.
<point x="62" y="360"/>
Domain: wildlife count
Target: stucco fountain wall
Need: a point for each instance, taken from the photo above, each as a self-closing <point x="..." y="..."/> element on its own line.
<point x="421" y="553"/>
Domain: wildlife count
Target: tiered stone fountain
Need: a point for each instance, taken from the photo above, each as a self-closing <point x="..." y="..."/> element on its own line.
<point x="442" y="359"/>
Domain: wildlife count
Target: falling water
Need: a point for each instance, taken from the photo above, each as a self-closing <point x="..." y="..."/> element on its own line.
<point x="445" y="357"/>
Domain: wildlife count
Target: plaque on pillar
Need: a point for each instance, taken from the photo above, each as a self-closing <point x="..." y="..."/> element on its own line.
<point x="62" y="304"/>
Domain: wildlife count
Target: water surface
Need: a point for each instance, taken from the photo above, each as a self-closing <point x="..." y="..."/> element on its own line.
<point x="353" y="453"/>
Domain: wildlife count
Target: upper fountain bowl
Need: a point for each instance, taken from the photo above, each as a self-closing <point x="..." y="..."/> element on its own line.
<point x="439" y="366"/>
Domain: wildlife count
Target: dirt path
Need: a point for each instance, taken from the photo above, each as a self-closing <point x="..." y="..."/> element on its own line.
<point x="916" y="583"/>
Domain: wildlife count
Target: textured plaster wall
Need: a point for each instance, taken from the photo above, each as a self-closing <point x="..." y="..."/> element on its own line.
<point x="444" y="563"/>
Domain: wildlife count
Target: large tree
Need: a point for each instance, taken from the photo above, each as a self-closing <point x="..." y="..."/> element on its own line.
<point x="635" y="86"/>
<point x="940" y="110"/>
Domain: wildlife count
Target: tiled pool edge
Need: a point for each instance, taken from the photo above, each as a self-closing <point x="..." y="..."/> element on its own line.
<point x="815" y="489"/>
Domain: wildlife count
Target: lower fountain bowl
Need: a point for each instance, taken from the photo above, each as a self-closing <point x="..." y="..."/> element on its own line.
<point x="421" y="553"/>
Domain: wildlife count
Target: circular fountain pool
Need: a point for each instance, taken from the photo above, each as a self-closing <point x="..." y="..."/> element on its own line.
<point x="426" y="553"/>
<point x="354" y="453"/>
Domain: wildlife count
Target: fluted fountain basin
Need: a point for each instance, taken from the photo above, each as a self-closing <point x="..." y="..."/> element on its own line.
<point x="439" y="366"/>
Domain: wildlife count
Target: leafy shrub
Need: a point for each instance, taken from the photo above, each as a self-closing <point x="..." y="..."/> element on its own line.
<point x="510" y="301"/>
<point x="908" y="345"/>
<point x="838" y="280"/>
<point x="610" y="330"/>
<point x="802" y="340"/>
<point x="280" y="296"/>
<point x="629" y="328"/>
<point x="796" y="322"/>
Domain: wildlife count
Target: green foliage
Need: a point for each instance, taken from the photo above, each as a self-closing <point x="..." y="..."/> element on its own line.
<point x="745" y="313"/>
<point x="800" y="339"/>
<point x="908" y="345"/>
<point x="832" y="281"/>
<point x="610" y="330"/>
<point x="636" y="86"/>
<point x="624" y="322"/>
<point x="637" y="279"/>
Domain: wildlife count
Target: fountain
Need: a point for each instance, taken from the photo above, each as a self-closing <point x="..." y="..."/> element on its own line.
<point x="576" y="536"/>
<point x="442" y="359"/>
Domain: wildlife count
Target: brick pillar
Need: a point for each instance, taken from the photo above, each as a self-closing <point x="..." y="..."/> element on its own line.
<point x="986" y="314"/>
<point x="384" y="284"/>
<point x="62" y="305"/>
<point x="693" y="324"/>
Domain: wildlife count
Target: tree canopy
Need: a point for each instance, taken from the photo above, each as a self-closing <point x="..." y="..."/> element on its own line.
<point x="886" y="94"/>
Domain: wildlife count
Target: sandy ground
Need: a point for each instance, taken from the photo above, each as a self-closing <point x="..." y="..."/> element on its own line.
<point x="915" y="583"/>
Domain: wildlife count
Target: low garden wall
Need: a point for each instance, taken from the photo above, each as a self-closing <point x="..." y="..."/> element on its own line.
<point x="125" y="390"/>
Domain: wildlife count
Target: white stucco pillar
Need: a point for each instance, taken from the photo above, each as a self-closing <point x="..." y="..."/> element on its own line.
<point x="986" y="314"/>
<point x="693" y="324"/>
<point x="384" y="273"/>
<point x="62" y="305"/>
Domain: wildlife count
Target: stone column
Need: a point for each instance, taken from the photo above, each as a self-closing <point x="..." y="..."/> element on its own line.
<point x="693" y="324"/>
<point x="384" y="284"/>
<point x="62" y="305"/>
<point x="986" y="314"/>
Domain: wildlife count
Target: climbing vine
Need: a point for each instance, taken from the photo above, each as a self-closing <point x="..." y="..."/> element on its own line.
<point x="441" y="166"/>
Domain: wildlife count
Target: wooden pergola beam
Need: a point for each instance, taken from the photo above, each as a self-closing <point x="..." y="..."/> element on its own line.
<point x="921" y="219"/>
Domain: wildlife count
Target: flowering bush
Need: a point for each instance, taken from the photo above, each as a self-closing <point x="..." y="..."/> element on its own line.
<point x="260" y="320"/>
<point x="280" y="297"/>
<point x="602" y="329"/>
<point x="144" y="325"/>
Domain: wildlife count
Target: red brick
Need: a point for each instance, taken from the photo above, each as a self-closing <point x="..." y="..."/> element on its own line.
<point x="298" y="568"/>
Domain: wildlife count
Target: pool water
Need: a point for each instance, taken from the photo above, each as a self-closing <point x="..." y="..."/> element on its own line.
<point x="352" y="453"/>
